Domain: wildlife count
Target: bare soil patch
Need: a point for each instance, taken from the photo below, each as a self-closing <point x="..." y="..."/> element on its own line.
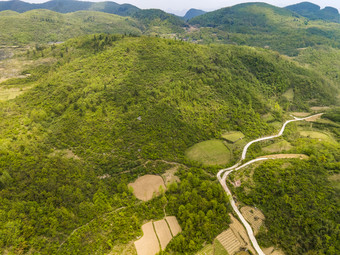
<point x="235" y="238"/>
<point x="163" y="233"/>
<point x="272" y="251"/>
<point x="300" y="114"/>
<point x="148" y="244"/>
<point x="241" y="234"/>
<point x="11" y="93"/>
<point x="254" y="216"/>
<point x="174" y="226"/>
<point x="65" y="153"/>
<point x="319" y="108"/>
<point x="229" y="241"/>
<point x="170" y="177"/>
<point x="278" y="156"/>
<point x="146" y="186"/>
<point x="314" y="118"/>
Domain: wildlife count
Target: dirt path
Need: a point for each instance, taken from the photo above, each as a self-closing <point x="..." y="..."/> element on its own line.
<point x="239" y="165"/>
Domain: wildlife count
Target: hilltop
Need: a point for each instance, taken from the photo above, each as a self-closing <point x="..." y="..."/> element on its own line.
<point x="66" y="6"/>
<point x="106" y="109"/>
<point x="314" y="12"/>
<point x="264" y="25"/>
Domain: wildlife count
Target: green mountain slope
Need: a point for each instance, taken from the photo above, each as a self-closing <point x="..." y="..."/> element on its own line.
<point x="66" y="6"/>
<point x="122" y="107"/>
<point x="42" y="26"/>
<point x="263" y="25"/>
<point x="314" y="12"/>
<point x="193" y="13"/>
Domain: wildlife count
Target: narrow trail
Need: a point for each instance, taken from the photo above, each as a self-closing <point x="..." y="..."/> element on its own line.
<point x="238" y="166"/>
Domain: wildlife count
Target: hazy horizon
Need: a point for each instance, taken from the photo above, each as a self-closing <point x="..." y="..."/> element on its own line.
<point x="180" y="7"/>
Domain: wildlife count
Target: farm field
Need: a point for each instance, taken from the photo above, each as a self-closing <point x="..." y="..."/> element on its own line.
<point x="254" y="216"/>
<point x="317" y="135"/>
<point x="233" y="136"/>
<point x="212" y="152"/>
<point x="279" y="156"/>
<point x="146" y="186"/>
<point x="148" y="244"/>
<point x="175" y="228"/>
<point x="278" y="147"/>
<point x="163" y="233"/>
<point x="157" y="235"/>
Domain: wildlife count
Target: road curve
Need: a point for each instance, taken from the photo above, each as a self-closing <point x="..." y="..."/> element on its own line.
<point x="238" y="166"/>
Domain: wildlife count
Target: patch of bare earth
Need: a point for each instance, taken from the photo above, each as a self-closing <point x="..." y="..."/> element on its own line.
<point x="148" y="244"/>
<point x="254" y="216"/>
<point x="314" y="118"/>
<point x="157" y="235"/>
<point x="319" y="108"/>
<point x="145" y="187"/>
<point x="65" y="153"/>
<point x="163" y="233"/>
<point x="278" y="156"/>
<point x="300" y="114"/>
<point x="170" y="177"/>
<point x="272" y="251"/>
<point x="235" y="238"/>
<point x="175" y="228"/>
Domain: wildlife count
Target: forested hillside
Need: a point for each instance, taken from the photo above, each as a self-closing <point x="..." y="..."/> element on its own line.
<point x="66" y="6"/>
<point x="43" y="26"/>
<point x="264" y="25"/>
<point x="314" y="12"/>
<point x="116" y="106"/>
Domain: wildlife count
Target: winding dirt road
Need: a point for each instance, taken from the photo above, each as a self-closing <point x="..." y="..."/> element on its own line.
<point x="238" y="166"/>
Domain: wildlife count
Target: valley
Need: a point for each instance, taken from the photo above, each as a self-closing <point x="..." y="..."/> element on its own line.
<point x="134" y="131"/>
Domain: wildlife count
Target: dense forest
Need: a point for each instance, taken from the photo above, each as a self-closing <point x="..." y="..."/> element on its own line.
<point x="105" y="99"/>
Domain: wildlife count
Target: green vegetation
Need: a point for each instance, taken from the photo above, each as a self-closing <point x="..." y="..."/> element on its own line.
<point x="316" y="135"/>
<point x="289" y="94"/>
<point x="66" y="6"/>
<point x="264" y="25"/>
<point x="301" y="208"/>
<point x="219" y="249"/>
<point x="210" y="153"/>
<point x="43" y="26"/>
<point x="312" y="11"/>
<point x="233" y="136"/>
<point x="278" y="147"/>
<point x="121" y="107"/>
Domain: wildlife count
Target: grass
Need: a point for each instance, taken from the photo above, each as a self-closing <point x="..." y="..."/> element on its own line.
<point x="278" y="147"/>
<point x="276" y="124"/>
<point x="11" y="93"/>
<point x="335" y="181"/>
<point x="212" y="152"/>
<point x="213" y="249"/>
<point x="289" y="94"/>
<point x="219" y="249"/>
<point x="233" y="136"/>
<point x="316" y="135"/>
<point x="207" y="250"/>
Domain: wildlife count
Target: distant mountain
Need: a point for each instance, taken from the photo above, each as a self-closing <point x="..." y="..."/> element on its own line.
<point x="192" y="13"/>
<point x="158" y="21"/>
<point x="263" y="25"/>
<point x="314" y="12"/>
<point x="66" y="6"/>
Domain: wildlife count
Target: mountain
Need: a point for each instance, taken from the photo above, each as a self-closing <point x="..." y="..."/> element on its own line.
<point x="193" y="13"/>
<point x="263" y="25"/>
<point x="43" y="26"/>
<point x="66" y="6"/>
<point x="121" y="107"/>
<point x="314" y="12"/>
